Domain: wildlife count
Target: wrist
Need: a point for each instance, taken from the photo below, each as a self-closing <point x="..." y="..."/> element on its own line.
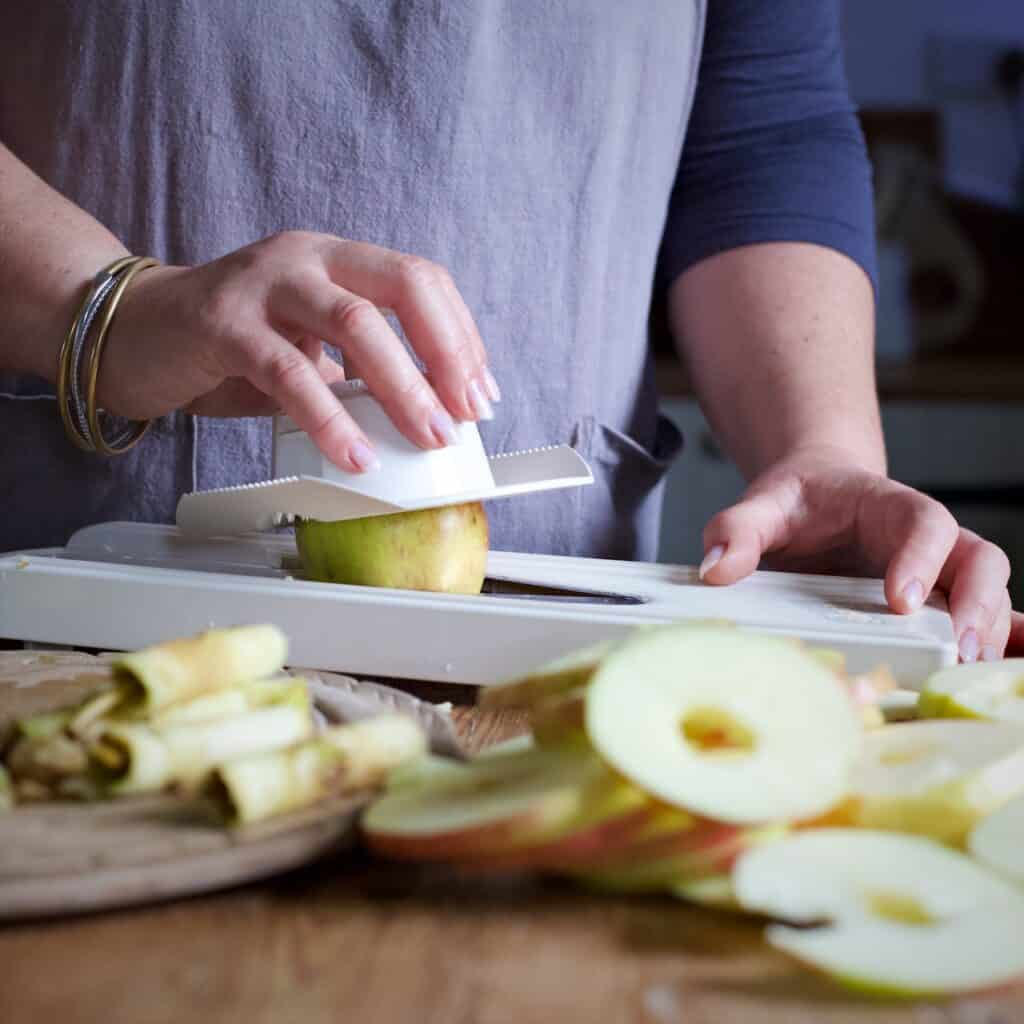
<point x="36" y="346"/>
<point x="867" y="455"/>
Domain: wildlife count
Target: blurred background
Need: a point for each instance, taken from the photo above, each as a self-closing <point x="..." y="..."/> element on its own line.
<point x="940" y="87"/>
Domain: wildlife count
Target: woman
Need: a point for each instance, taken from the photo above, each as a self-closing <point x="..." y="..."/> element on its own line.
<point x="560" y="162"/>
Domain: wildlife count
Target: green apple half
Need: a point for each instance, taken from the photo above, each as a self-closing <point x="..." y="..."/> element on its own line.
<point x="898" y="915"/>
<point x="741" y="728"/>
<point x="998" y="840"/>
<point x="981" y="689"/>
<point x="937" y="778"/>
<point x="440" y="549"/>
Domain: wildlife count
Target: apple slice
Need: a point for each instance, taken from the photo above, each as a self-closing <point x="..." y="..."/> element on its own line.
<point x="903" y="915"/>
<point x="937" y="778"/>
<point x="575" y="670"/>
<point x="607" y="821"/>
<point x="899" y="705"/>
<point x="998" y="840"/>
<point x="738" y="727"/>
<point x="714" y="891"/>
<point x="559" y="720"/>
<point x="568" y="672"/>
<point x="982" y="689"/>
<point x="711" y="850"/>
<point x="488" y="806"/>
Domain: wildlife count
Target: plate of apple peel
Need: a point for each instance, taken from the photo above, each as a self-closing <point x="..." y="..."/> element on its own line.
<point x="879" y="832"/>
<point x="212" y="718"/>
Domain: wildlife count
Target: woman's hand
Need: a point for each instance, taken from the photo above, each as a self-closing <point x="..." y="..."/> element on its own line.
<point x="816" y="511"/>
<point x="244" y="336"/>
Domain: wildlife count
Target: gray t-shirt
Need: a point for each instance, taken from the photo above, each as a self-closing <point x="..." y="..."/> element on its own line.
<point x="530" y="146"/>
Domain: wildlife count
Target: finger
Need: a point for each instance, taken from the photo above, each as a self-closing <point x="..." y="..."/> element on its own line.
<point x="315" y="351"/>
<point x="358" y="328"/>
<point x="487" y="379"/>
<point x="913" y="536"/>
<point x="1015" y="641"/>
<point x="237" y="397"/>
<point x="737" y="538"/>
<point x="1000" y="632"/>
<point x="420" y="293"/>
<point x="975" y="576"/>
<point x="281" y="371"/>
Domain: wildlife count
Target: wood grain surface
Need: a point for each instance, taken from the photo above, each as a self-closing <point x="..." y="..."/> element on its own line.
<point x="350" y="939"/>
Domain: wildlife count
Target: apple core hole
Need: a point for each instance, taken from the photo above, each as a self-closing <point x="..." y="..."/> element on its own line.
<point x="714" y="731"/>
<point x="896" y="906"/>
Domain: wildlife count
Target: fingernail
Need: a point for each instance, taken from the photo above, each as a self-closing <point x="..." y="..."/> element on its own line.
<point x="969" y="646"/>
<point x="478" y="402"/>
<point x="711" y="559"/>
<point x="913" y="595"/>
<point x="491" y="386"/>
<point x="442" y="427"/>
<point x="989" y="653"/>
<point x="363" y="456"/>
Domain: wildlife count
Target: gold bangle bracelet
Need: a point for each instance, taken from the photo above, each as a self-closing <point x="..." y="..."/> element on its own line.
<point x="64" y="367"/>
<point x="93" y="365"/>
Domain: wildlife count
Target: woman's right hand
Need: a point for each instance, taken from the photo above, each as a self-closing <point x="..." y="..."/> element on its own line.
<point x="243" y="336"/>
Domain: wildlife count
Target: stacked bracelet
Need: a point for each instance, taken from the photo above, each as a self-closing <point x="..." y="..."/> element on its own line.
<point x="77" y="404"/>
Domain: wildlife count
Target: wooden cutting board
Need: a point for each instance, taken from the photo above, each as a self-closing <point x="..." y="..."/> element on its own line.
<point x="68" y="858"/>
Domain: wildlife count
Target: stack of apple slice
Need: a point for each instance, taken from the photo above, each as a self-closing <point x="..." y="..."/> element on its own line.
<point x="654" y="764"/>
<point x="750" y="773"/>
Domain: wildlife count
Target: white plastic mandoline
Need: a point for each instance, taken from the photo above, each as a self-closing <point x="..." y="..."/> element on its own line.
<point x="125" y="585"/>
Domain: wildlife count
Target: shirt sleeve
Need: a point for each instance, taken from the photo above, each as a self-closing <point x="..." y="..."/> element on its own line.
<point x="773" y="151"/>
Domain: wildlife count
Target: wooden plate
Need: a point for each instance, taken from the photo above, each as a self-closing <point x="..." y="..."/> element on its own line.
<point x="58" y="859"/>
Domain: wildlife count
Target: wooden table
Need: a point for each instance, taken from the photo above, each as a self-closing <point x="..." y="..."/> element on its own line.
<point x="356" y="941"/>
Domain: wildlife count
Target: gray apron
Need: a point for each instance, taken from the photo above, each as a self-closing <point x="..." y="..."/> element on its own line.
<point x="528" y="145"/>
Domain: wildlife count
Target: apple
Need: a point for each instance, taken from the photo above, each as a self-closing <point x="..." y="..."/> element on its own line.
<point x="493" y="804"/>
<point x="741" y="728"/>
<point x="998" y="840"/>
<point x="937" y="778"/>
<point x="980" y="689"/>
<point x="441" y="549"/>
<point x="569" y="672"/>
<point x="897" y="915"/>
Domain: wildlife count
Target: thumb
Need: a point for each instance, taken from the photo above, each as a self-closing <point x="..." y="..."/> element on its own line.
<point x="736" y="538"/>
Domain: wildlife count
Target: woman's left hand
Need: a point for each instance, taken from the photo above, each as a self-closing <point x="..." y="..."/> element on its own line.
<point x="815" y="511"/>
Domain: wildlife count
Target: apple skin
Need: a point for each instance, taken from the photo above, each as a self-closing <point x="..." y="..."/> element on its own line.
<point x="575" y="848"/>
<point x="443" y="549"/>
<point x="711" y="851"/>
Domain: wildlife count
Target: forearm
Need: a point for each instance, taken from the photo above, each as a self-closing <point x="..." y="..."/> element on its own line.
<point x="49" y="249"/>
<point x="778" y="339"/>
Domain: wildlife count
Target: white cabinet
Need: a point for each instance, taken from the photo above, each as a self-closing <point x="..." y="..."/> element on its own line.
<point x="970" y="455"/>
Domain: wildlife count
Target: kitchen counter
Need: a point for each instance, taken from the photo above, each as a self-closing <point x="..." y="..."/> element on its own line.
<point x="350" y="939"/>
